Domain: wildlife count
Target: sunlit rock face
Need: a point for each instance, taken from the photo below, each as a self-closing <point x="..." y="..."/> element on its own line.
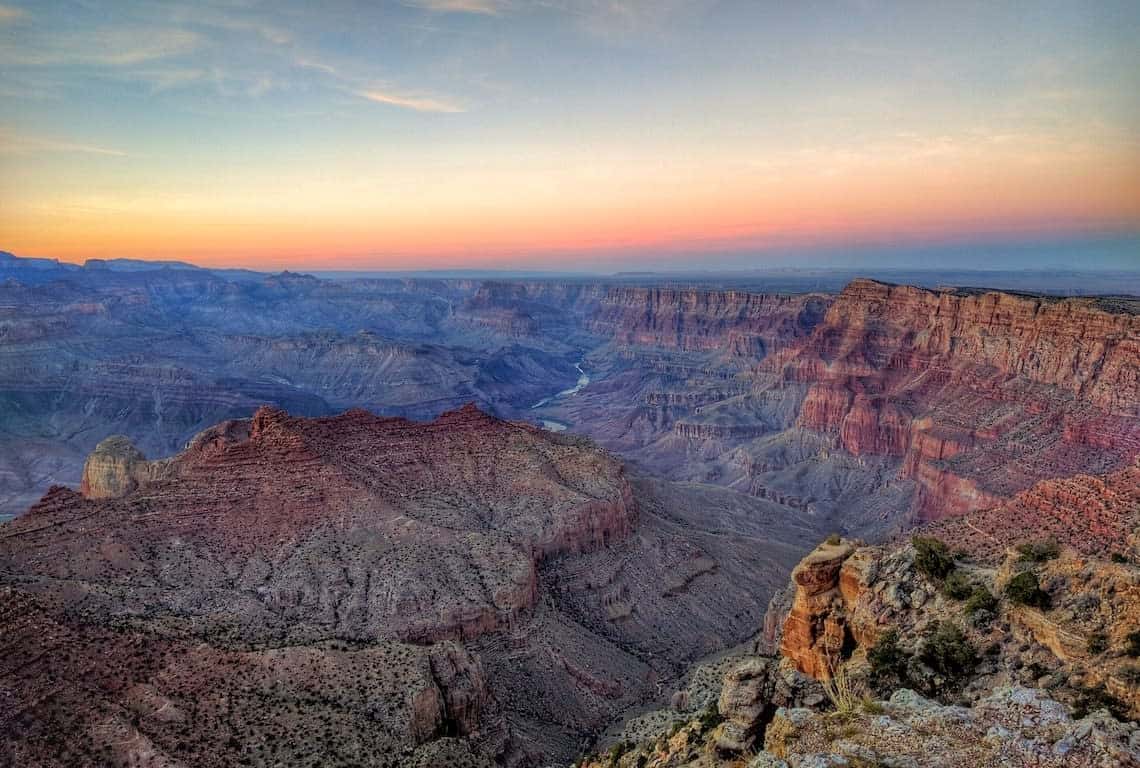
<point x="980" y="394"/>
<point x="113" y="469"/>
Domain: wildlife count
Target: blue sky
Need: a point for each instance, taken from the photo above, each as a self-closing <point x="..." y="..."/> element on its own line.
<point x="564" y="132"/>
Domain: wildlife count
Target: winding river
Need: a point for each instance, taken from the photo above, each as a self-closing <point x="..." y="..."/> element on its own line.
<point x="583" y="380"/>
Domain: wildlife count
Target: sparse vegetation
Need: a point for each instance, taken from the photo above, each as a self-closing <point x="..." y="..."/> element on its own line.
<point x="957" y="586"/>
<point x="834" y="539"/>
<point x="1097" y="643"/>
<point x="932" y="557"/>
<point x="945" y="658"/>
<point x="710" y="718"/>
<point x="888" y="663"/>
<point x="1118" y="557"/>
<point x="1132" y="643"/>
<point x="948" y="652"/>
<point x="1025" y="589"/>
<point x="842" y="689"/>
<point x="981" y="599"/>
<point x="1039" y="551"/>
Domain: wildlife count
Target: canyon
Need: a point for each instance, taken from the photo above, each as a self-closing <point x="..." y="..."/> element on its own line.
<point x="246" y="506"/>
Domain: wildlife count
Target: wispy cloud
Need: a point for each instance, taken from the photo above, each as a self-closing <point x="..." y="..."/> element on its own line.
<point x="621" y="20"/>
<point x="103" y="46"/>
<point x="408" y="101"/>
<point x="484" y="7"/>
<point x="16" y="144"/>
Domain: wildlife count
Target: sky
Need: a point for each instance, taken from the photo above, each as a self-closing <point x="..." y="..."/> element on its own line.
<point x="572" y="134"/>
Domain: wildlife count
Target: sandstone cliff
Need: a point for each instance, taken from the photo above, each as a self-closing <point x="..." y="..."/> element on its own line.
<point x="980" y="394"/>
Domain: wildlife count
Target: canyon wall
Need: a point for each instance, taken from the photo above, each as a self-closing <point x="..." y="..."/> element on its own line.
<point x="979" y="394"/>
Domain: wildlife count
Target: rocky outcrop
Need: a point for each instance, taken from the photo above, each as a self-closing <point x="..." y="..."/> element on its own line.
<point x="815" y="631"/>
<point x="114" y="469"/>
<point x="1011" y="726"/>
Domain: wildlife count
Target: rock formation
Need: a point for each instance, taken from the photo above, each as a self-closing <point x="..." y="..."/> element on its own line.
<point x="114" y="469"/>
<point x="473" y="578"/>
<point x="1048" y="686"/>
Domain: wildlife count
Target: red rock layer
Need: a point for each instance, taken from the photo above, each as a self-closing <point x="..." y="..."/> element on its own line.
<point x="735" y="322"/>
<point x="738" y="323"/>
<point x="1092" y="515"/>
<point x="980" y="395"/>
<point x="436" y="528"/>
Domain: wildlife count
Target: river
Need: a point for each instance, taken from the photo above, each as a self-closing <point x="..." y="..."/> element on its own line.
<point x="583" y="380"/>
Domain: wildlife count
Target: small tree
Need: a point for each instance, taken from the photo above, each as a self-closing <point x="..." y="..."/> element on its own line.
<point x="932" y="557"/>
<point x="981" y="599"/>
<point x="956" y="586"/>
<point x="948" y="652"/>
<point x="1025" y="589"/>
<point x="888" y="663"/>
<point x="1039" y="551"/>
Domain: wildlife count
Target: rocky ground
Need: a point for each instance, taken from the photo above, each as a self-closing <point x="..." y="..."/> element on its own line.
<point x="388" y="583"/>
<point x="1007" y="684"/>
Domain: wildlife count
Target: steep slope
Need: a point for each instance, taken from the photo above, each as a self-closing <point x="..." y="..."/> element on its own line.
<point x="521" y="588"/>
<point x="913" y="672"/>
<point x="979" y="394"/>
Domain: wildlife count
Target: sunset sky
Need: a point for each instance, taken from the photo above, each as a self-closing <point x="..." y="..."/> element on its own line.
<point x="560" y="134"/>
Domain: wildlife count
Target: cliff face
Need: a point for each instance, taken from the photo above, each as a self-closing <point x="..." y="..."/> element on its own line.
<point x="730" y="322"/>
<point x="736" y="323"/>
<point x="480" y="582"/>
<point x="1092" y="515"/>
<point x="980" y="395"/>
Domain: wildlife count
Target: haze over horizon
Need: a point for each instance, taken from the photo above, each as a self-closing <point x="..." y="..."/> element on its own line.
<point x="572" y="134"/>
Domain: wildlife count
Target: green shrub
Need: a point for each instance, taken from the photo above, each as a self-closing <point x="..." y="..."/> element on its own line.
<point x="617" y="750"/>
<point x="1119" y="557"/>
<point x="1097" y="643"/>
<point x="948" y="652"/>
<point x="1025" y="589"/>
<point x="1091" y="699"/>
<point x="1039" y="551"/>
<point x="834" y="539"/>
<point x="956" y="586"/>
<point x="710" y="718"/>
<point x="932" y="558"/>
<point x="980" y="599"/>
<point x="888" y="664"/>
<point x="1132" y="643"/>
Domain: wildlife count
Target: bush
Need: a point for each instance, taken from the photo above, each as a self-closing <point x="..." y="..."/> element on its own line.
<point x="1039" y="551"/>
<point x="1118" y="557"/>
<point x="1132" y="643"/>
<point x="981" y="599"/>
<point x="956" y="587"/>
<point x="932" y="558"/>
<point x="1097" y="643"/>
<point x="948" y="652"/>
<point x="1089" y="700"/>
<point x="710" y="718"/>
<point x="834" y="539"/>
<point x="888" y="664"/>
<point x="1025" y="589"/>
